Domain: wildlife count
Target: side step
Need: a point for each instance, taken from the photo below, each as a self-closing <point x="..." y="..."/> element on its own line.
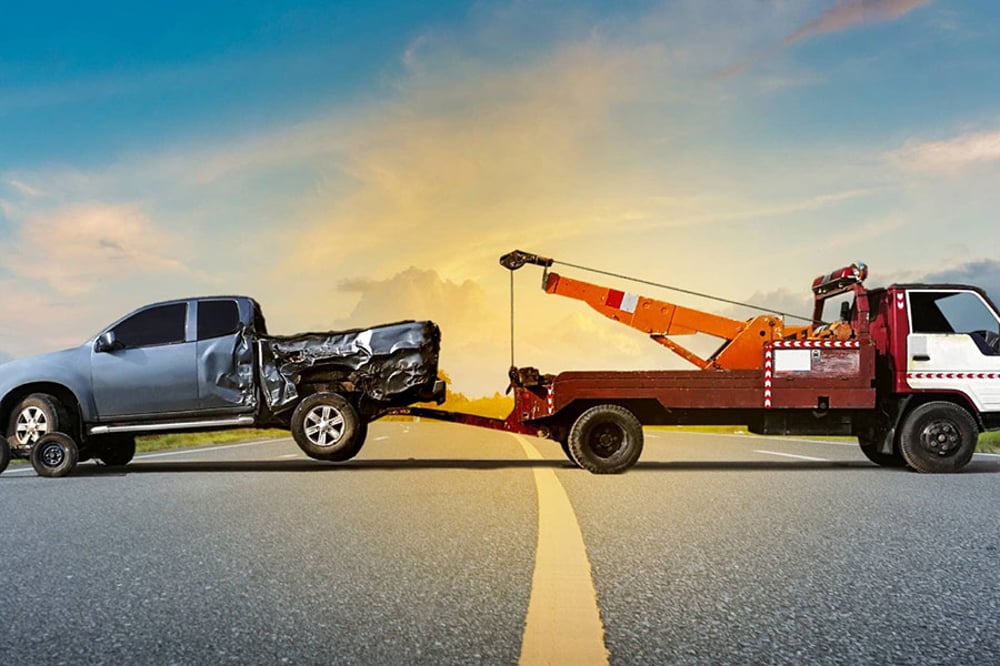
<point x="173" y="425"/>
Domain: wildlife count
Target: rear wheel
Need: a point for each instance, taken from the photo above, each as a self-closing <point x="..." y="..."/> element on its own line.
<point x="54" y="455"/>
<point x="327" y="427"/>
<point x="938" y="437"/>
<point x="606" y="439"/>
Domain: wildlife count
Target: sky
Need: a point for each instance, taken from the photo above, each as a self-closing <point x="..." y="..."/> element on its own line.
<point x="351" y="163"/>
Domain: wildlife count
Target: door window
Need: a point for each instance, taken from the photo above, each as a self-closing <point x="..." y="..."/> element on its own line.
<point x="217" y="318"/>
<point x="950" y="312"/>
<point x="162" y="325"/>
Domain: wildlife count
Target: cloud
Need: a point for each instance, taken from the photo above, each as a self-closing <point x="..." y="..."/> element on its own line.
<point x="476" y="329"/>
<point x="966" y="150"/>
<point x="983" y="273"/>
<point x="74" y="249"/>
<point x="846" y="14"/>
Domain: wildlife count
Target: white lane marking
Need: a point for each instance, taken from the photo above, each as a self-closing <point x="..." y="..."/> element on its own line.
<point x="563" y="624"/>
<point x="290" y="455"/>
<point x="751" y="437"/>
<point x="146" y="456"/>
<point x="379" y="439"/>
<point x="792" y="455"/>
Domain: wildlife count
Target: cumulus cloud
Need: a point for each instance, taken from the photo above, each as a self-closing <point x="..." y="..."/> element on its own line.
<point x="983" y="273"/>
<point x="476" y="329"/>
<point x="965" y="150"/>
<point x="849" y="13"/>
<point x="73" y="249"/>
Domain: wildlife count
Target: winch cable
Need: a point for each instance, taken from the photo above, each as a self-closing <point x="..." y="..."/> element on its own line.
<point x="512" y="319"/>
<point x="667" y="286"/>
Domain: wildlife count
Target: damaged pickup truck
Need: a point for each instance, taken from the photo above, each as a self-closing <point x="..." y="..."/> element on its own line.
<point x="206" y="364"/>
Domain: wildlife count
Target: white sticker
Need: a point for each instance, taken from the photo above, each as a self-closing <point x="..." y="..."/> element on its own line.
<point x="792" y="360"/>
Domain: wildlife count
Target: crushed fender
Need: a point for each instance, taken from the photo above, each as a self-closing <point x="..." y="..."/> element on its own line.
<point x="384" y="363"/>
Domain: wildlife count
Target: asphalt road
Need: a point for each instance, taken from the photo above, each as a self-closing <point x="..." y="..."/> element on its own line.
<point x="714" y="549"/>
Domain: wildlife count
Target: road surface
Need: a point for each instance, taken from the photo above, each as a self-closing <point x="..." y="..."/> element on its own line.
<point x="714" y="549"/>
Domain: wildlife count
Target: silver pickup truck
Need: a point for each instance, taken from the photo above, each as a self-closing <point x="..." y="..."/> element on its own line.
<point x="208" y="363"/>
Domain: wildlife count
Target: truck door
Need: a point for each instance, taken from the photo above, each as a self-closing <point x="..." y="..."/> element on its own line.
<point x="150" y="370"/>
<point x="224" y="357"/>
<point x="954" y="345"/>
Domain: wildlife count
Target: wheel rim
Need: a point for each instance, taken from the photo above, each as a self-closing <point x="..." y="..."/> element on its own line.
<point x="31" y="425"/>
<point x="605" y="439"/>
<point x="324" y="425"/>
<point x="52" y="455"/>
<point x="941" y="437"/>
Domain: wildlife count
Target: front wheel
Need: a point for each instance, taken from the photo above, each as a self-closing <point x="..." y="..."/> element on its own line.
<point x="606" y="439"/>
<point x="54" y="455"/>
<point x="938" y="437"/>
<point x="33" y="418"/>
<point x="4" y="454"/>
<point x="327" y="427"/>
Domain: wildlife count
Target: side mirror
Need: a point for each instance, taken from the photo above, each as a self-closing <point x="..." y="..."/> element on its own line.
<point x="106" y="342"/>
<point x="845" y="311"/>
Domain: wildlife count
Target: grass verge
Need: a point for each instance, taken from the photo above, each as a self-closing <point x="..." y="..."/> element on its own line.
<point x="181" y="440"/>
<point x="989" y="442"/>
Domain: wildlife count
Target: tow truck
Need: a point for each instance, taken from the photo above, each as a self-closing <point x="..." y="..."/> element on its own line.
<point x="911" y="370"/>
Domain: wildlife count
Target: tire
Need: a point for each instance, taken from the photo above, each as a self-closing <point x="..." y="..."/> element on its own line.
<point x="327" y="427"/>
<point x="606" y="439"/>
<point x="114" y="450"/>
<point x="4" y="454"/>
<point x="938" y="438"/>
<point x="54" y="455"/>
<point x="564" y="445"/>
<point x="34" y="417"/>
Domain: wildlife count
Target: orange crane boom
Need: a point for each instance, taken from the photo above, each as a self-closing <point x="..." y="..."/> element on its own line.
<point x="743" y="340"/>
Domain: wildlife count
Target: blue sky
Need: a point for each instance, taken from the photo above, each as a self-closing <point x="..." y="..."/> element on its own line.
<point x="350" y="162"/>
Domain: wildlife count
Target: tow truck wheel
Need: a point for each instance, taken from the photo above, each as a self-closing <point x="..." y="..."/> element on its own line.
<point x="4" y="454"/>
<point x="938" y="437"/>
<point x="606" y="439"/>
<point x="54" y="455"/>
<point x="327" y="427"/>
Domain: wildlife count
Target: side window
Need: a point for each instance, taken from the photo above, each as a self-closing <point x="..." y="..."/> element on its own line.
<point x="162" y="325"/>
<point x="950" y="312"/>
<point x="217" y="318"/>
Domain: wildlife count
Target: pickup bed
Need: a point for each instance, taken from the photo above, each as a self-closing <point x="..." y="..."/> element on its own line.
<point x="209" y="363"/>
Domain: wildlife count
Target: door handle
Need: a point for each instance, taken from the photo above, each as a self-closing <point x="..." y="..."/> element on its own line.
<point x="921" y="357"/>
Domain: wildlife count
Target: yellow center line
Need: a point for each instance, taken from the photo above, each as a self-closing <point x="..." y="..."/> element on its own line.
<point x="563" y="625"/>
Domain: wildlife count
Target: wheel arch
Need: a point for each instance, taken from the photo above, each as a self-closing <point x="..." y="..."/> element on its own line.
<point x="65" y="395"/>
<point x="914" y="400"/>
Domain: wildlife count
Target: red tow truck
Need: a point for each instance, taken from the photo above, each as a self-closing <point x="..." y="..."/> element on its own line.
<point x="911" y="370"/>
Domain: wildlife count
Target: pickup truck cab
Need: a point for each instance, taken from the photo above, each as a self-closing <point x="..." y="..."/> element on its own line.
<point x="209" y="363"/>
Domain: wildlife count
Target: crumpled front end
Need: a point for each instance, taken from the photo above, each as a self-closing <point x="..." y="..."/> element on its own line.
<point x="392" y="364"/>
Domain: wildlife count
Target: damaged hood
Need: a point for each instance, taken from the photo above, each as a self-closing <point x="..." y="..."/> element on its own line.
<point x="382" y="362"/>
